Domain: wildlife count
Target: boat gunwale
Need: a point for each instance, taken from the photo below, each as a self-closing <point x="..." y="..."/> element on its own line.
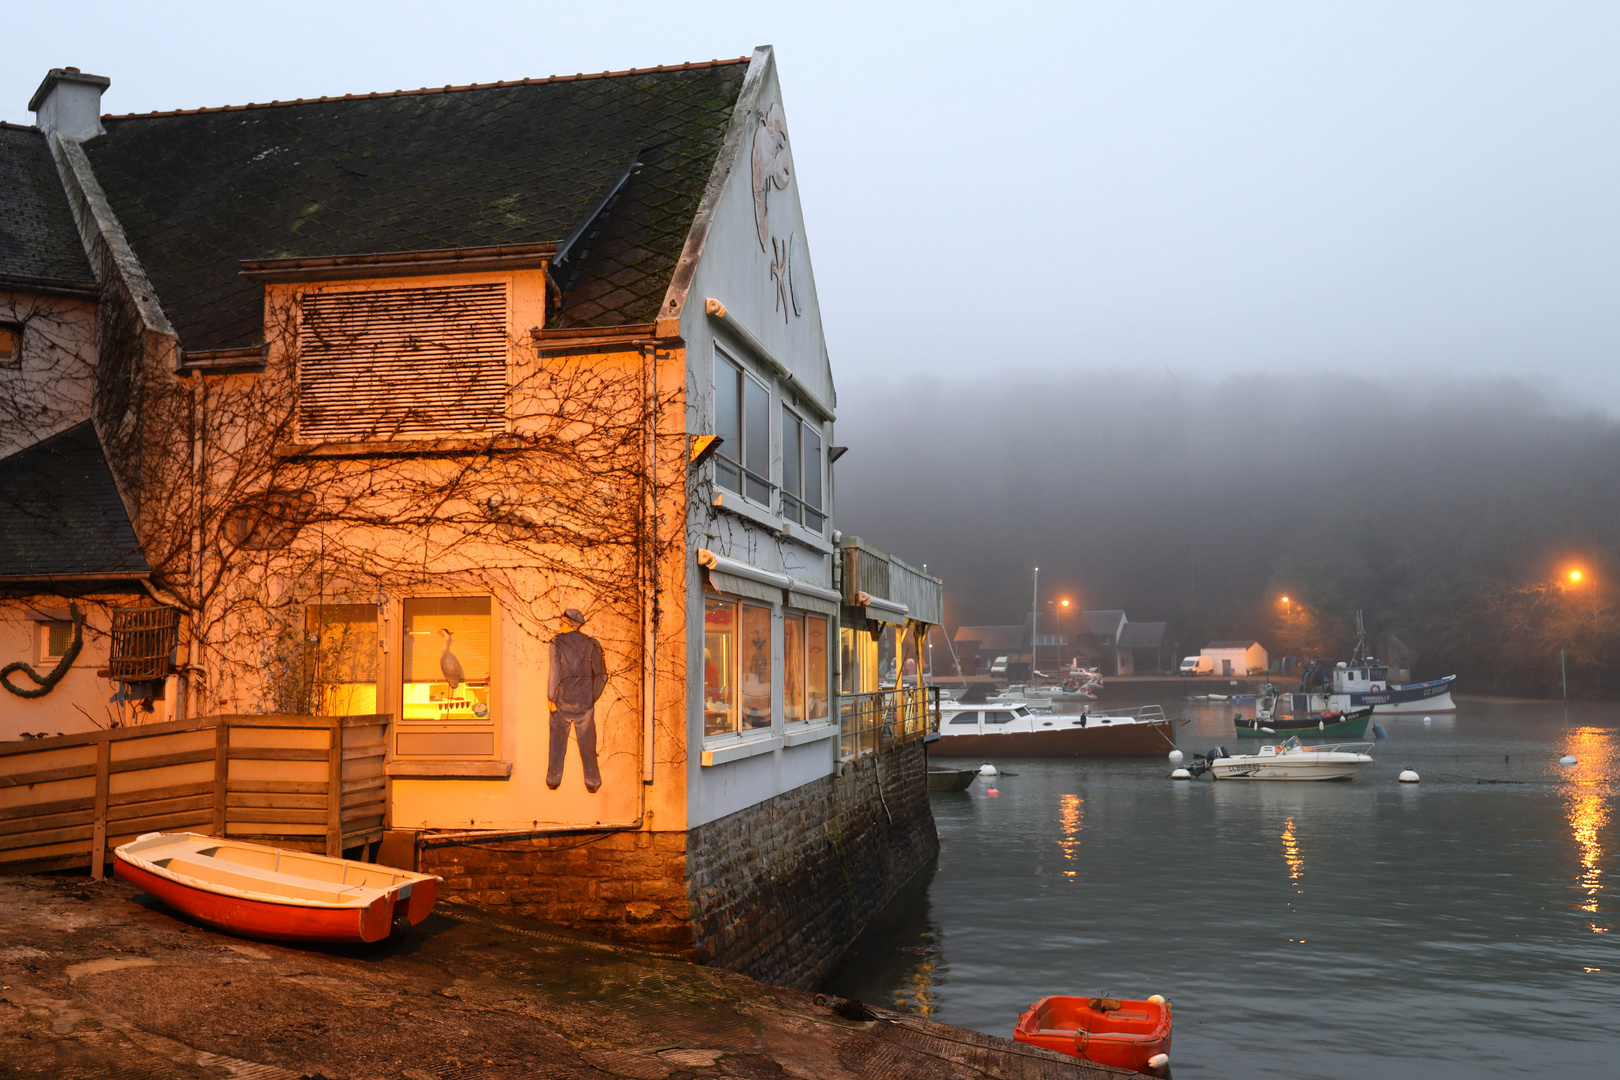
<point x="364" y="897"/>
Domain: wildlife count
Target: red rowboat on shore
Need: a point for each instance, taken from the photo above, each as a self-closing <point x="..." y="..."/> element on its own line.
<point x="1125" y="1034"/>
<point x="276" y="894"/>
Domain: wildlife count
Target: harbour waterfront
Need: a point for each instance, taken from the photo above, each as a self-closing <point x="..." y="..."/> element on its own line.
<point x="1462" y="926"/>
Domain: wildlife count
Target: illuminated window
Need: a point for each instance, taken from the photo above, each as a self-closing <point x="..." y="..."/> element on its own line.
<point x="742" y="419"/>
<point x="10" y="345"/>
<point x="736" y="666"/>
<point x="447" y="701"/>
<point x="343" y="657"/>
<point x="816" y="668"/>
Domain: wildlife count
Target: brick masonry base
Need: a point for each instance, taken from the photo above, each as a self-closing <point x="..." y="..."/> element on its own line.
<point x="777" y="891"/>
<point x="780" y="890"/>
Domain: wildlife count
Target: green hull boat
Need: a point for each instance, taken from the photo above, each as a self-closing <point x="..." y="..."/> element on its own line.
<point x="1305" y="727"/>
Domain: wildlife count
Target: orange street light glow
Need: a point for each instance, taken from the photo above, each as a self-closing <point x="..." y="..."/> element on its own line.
<point x="1285" y="599"/>
<point x="1065" y="603"/>
<point x="1574" y="575"/>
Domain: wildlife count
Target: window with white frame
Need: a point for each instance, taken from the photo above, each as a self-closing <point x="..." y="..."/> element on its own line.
<point x="55" y="638"/>
<point x="801" y="471"/>
<point x="736" y="666"/>
<point x="805" y="665"/>
<point x="742" y="419"/>
<point x="447" y="670"/>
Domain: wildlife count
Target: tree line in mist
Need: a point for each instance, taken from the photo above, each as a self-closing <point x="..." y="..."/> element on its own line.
<point x="1452" y="513"/>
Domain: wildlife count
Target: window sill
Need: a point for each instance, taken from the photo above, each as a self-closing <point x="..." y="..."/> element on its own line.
<point x="801" y="535"/>
<point x="400" y="447"/>
<point x="806" y="735"/>
<point x="736" y="504"/>
<point x="449" y="770"/>
<point x="736" y="751"/>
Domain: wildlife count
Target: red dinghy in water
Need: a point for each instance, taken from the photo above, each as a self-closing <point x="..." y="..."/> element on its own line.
<point x="276" y="894"/>
<point x="1125" y="1034"/>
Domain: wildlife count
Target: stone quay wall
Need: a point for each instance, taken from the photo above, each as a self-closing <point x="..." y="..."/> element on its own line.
<point x="623" y="886"/>
<point x="778" y="891"/>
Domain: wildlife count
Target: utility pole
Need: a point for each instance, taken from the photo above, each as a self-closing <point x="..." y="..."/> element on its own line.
<point x="1563" y="671"/>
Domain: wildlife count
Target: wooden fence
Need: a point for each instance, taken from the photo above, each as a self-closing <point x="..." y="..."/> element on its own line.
<point x="310" y="782"/>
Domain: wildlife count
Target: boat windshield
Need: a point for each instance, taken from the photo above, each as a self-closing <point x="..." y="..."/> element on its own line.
<point x="1291" y="744"/>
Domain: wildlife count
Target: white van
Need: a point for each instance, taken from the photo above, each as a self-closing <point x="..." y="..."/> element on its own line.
<point x="998" y="666"/>
<point x="1198" y="665"/>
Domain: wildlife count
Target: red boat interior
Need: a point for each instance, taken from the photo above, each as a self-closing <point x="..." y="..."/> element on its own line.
<point x="306" y="878"/>
<point x="1123" y="1034"/>
<point x="1066" y="1015"/>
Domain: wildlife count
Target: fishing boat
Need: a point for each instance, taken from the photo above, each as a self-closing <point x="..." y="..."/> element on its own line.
<point x="276" y="894"/>
<point x="1270" y="719"/>
<point x="1123" y="1034"/>
<point x="1363" y="682"/>
<point x="951" y="779"/>
<point x="1013" y="730"/>
<point x="1290" y="760"/>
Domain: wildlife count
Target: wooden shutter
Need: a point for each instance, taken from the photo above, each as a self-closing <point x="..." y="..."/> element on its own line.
<point x="400" y="363"/>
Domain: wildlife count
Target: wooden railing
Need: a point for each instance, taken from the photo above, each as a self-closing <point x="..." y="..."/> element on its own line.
<point x="876" y="721"/>
<point x="310" y="782"/>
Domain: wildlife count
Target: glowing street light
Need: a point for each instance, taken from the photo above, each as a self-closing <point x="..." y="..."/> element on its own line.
<point x="1575" y="576"/>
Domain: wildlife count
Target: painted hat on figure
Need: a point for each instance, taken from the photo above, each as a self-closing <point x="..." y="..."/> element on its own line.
<point x="573" y="616"/>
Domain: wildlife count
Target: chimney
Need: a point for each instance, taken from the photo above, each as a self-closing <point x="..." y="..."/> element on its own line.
<point x="68" y="103"/>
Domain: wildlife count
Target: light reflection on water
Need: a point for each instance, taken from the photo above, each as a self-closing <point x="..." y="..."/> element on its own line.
<point x="1452" y="928"/>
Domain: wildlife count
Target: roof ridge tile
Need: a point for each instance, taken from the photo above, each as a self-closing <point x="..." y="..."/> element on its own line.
<point x="446" y="89"/>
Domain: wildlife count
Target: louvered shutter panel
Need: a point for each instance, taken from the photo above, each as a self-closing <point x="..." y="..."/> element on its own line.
<point x="399" y="363"/>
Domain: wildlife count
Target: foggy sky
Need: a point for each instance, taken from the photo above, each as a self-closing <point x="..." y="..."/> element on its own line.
<point x="1216" y="189"/>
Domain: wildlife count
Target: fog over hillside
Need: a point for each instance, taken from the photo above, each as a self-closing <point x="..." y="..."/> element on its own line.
<point x="1202" y="502"/>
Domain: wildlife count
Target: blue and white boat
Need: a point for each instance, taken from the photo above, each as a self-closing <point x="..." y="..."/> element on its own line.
<point x="1364" y="681"/>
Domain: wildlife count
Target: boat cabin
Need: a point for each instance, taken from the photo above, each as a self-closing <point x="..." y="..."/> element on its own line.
<point x="1367" y="677"/>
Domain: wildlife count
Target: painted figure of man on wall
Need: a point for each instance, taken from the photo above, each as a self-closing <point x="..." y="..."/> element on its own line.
<point x="576" y="681"/>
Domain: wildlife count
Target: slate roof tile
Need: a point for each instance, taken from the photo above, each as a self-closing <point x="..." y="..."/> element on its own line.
<point x="60" y="513"/>
<point x="513" y="163"/>
<point x="38" y="240"/>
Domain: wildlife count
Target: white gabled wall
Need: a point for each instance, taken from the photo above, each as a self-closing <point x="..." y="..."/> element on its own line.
<point x="735" y="268"/>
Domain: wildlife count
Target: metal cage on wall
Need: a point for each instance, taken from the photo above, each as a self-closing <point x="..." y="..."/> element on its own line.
<point x="143" y="641"/>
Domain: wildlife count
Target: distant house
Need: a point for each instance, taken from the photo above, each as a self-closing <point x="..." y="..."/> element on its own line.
<point x="1141" y="648"/>
<point x="1103" y="639"/>
<point x="1237" y="657"/>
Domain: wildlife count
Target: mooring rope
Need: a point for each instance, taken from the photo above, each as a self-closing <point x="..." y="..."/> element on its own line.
<point x="47" y="683"/>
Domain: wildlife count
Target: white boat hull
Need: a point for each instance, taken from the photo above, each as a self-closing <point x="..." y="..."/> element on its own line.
<point x="1282" y="769"/>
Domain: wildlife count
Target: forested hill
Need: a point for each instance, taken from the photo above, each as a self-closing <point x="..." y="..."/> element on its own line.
<point x="1451" y="513"/>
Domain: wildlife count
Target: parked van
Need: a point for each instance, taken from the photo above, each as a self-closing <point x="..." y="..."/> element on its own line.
<point x="1198" y="665"/>
<point x="998" y="666"/>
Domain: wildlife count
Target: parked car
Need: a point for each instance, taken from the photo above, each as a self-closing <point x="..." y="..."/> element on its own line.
<point x="1198" y="665"/>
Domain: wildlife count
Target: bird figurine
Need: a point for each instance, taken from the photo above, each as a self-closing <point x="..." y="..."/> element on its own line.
<point x="450" y="665"/>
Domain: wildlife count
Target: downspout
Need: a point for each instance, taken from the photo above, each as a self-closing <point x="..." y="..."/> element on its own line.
<point x="199" y="433"/>
<point x="649" y="598"/>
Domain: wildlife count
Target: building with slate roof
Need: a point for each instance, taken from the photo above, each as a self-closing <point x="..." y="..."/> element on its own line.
<point x="504" y="411"/>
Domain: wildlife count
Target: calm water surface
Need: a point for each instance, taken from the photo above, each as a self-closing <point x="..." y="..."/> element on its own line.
<point x="1464" y="926"/>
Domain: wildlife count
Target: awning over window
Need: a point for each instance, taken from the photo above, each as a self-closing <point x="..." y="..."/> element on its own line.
<point x="808" y="597"/>
<point x="741" y="579"/>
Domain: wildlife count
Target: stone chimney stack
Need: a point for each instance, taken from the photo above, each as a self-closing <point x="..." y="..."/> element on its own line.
<point x="68" y="103"/>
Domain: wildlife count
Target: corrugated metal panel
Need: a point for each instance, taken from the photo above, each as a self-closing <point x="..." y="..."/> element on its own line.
<point x="922" y="593"/>
<point x="396" y="363"/>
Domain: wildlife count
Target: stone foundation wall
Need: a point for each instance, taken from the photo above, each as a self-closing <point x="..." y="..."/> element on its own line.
<point x="777" y="891"/>
<point x="780" y="890"/>
<point x="626" y="886"/>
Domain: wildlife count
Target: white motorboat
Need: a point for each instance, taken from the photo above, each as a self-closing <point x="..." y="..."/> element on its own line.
<point x="1290" y="760"/>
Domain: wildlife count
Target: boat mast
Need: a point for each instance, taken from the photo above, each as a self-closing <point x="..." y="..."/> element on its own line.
<point x="1361" y="641"/>
<point x="1034" y="619"/>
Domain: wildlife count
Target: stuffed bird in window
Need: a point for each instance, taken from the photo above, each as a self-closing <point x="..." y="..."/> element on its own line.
<point x="450" y="665"/>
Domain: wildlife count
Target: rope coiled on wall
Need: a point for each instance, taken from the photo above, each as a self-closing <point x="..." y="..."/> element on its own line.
<point x="47" y="683"/>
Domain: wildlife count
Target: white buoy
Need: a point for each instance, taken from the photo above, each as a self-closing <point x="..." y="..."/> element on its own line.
<point x="1269" y="731"/>
<point x="1567" y="759"/>
<point x="1408" y="777"/>
<point x="1428" y="719"/>
<point x="1180" y="774"/>
<point x="1175" y="756"/>
<point x="1157" y="999"/>
<point x="1158" y="1061"/>
<point x="987" y="769"/>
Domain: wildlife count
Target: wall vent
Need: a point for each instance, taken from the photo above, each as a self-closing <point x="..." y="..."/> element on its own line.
<point x="402" y="363"/>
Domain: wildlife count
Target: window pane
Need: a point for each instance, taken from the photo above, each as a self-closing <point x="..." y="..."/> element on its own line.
<point x="719" y="666"/>
<point x="447" y="660"/>
<point x="888" y="663"/>
<point x="10" y="347"/>
<point x="756" y="666"/>
<point x="793" y="687"/>
<point x="846" y="660"/>
<point x="790" y="453"/>
<point x="812" y="469"/>
<point x="59" y="638"/>
<point x="816" y="668"/>
<point x="757" y="431"/>
<point x="342" y="640"/>
<point x="727" y="422"/>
